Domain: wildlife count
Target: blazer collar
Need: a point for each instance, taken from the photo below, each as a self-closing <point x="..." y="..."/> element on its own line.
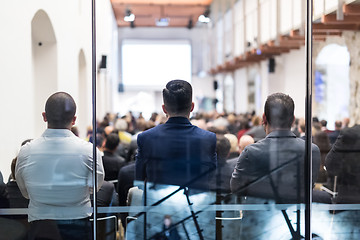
<point x="281" y="133"/>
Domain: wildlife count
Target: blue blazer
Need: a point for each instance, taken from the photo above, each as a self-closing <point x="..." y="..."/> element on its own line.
<point x="176" y="153"/>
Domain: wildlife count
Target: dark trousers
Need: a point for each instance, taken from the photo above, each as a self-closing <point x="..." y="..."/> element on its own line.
<point x="72" y="229"/>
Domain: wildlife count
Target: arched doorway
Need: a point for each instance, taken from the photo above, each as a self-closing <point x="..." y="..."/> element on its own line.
<point x="332" y="83"/>
<point x="44" y="58"/>
<point x="84" y="102"/>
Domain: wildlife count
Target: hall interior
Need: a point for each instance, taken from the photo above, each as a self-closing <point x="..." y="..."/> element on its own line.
<point x="235" y="53"/>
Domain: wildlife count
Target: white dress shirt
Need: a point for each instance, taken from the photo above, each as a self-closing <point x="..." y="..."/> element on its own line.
<point x="55" y="173"/>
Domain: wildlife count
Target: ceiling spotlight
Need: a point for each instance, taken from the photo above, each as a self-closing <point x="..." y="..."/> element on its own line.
<point x="129" y="16"/>
<point x="203" y="19"/>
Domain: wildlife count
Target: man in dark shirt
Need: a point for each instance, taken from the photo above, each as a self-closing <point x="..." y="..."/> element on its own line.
<point x="112" y="162"/>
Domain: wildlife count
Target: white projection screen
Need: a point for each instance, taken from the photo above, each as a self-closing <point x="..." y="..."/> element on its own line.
<point x="152" y="63"/>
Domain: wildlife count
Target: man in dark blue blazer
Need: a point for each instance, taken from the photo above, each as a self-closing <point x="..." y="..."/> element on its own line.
<point x="177" y="152"/>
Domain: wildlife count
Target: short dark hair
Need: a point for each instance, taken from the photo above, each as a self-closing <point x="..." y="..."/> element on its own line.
<point x="178" y="97"/>
<point x="60" y="110"/>
<point x="112" y="141"/>
<point x="222" y="147"/>
<point x="279" y="110"/>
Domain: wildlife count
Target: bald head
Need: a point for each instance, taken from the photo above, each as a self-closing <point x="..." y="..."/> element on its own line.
<point x="245" y="140"/>
<point x="60" y="111"/>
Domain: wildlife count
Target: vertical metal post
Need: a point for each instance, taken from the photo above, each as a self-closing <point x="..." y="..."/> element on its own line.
<point x="308" y="119"/>
<point x="93" y="79"/>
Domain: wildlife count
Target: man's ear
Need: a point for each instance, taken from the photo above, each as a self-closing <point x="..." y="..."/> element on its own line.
<point x="264" y="119"/>
<point x="73" y="121"/>
<point x="192" y="106"/>
<point x="44" y="116"/>
<point x="164" y="109"/>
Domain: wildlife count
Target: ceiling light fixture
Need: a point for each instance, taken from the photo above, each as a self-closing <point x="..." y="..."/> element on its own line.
<point x="204" y="18"/>
<point x="129" y="16"/>
<point x="162" y="22"/>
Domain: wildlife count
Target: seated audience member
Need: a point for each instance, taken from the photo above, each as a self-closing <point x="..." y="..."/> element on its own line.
<point x="334" y="134"/>
<point x="221" y="179"/>
<point x="112" y="163"/>
<point x="244" y="127"/>
<point x="343" y="163"/>
<point x="169" y="232"/>
<point x="234" y="148"/>
<point x="4" y="202"/>
<point x="58" y="186"/>
<point x="106" y="196"/>
<point x="125" y="182"/>
<point x="280" y="150"/>
<point x="245" y="140"/>
<point x="121" y="126"/>
<point x="301" y="128"/>
<point x="321" y="139"/>
<point x="233" y="127"/>
<point x="16" y="199"/>
<point x="256" y="131"/>
<point x="167" y="151"/>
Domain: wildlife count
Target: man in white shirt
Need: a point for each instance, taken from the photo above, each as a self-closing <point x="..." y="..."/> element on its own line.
<point x="55" y="173"/>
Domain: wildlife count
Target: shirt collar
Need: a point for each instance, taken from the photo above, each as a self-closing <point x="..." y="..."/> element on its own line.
<point x="57" y="133"/>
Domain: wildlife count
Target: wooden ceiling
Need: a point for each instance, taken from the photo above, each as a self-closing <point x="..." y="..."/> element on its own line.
<point x="327" y="26"/>
<point x="147" y="12"/>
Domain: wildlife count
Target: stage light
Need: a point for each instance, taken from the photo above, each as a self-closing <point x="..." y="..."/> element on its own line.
<point x="129" y="16"/>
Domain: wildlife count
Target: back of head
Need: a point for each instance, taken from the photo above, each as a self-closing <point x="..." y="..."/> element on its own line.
<point x="177" y="96"/>
<point x="244" y="141"/>
<point x="60" y="110"/>
<point x="112" y="141"/>
<point x="222" y="147"/>
<point x="279" y="110"/>
<point x="233" y="142"/>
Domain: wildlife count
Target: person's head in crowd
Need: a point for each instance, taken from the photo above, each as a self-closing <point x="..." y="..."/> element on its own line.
<point x="323" y="124"/>
<point x="107" y="130"/>
<point x="278" y="112"/>
<point x="141" y="124"/>
<point x="153" y="116"/>
<point x="111" y="142"/>
<point x="231" y="118"/>
<point x="316" y="127"/>
<point x="301" y="126"/>
<point x="245" y="140"/>
<point x="100" y="141"/>
<point x="256" y="121"/>
<point x="177" y="97"/>
<point x="233" y="142"/>
<point x="60" y="111"/>
<point x="338" y="125"/>
<point x="222" y="148"/>
<point x="346" y="122"/>
<point x="121" y="125"/>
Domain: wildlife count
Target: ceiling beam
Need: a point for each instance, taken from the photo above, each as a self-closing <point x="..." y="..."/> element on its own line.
<point x="348" y="19"/>
<point x="353" y="9"/>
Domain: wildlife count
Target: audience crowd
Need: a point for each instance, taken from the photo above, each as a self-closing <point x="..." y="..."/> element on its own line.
<point x="117" y="141"/>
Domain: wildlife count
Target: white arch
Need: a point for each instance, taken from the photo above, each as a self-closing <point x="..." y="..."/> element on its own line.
<point x="84" y="93"/>
<point x="332" y="79"/>
<point x="44" y="61"/>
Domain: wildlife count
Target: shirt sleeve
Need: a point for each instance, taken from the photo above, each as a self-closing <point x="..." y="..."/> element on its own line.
<point x="19" y="167"/>
<point x="99" y="170"/>
<point x="241" y="170"/>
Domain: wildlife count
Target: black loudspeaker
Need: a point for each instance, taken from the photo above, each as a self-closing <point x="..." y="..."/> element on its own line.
<point x="271" y="65"/>
<point x="215" y="85"/>
<point x="103" y="61"/>
<point x="121" y="87"/>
